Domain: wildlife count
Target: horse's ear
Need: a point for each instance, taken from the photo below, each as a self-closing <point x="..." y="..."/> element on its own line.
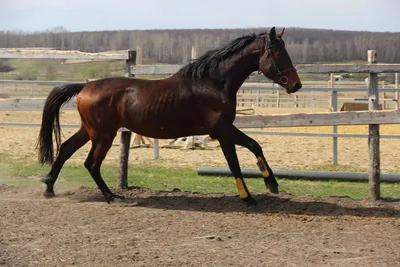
<point x="272" y="33"/>
<point x="281" y="33"/>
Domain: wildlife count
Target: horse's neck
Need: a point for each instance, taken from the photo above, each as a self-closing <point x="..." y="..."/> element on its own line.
<point x="238" y="71"/>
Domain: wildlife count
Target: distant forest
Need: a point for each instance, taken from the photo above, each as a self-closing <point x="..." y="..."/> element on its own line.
<point x="174" y="46"/>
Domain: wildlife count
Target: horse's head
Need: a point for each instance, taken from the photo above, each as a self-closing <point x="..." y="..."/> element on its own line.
<point x="275" y="62"/>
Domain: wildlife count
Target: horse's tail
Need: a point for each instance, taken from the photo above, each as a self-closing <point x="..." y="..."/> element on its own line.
<point x="51" y="121"/>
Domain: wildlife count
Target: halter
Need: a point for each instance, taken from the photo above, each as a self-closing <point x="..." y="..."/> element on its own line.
<point x="282" y="78"/>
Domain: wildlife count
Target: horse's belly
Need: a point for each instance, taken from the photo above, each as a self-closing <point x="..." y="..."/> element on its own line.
<point x="166" y="126"/>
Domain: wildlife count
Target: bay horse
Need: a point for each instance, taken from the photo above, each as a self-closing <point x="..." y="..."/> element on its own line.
<point x="199" y="99"/>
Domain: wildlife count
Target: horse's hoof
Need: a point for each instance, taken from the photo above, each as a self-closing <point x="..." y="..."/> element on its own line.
<point x="119" y="199"/>
<point x="49" y="194"/>
<point x="115" y="198"/>
<point x="273" y="189"/>
<point x="272" y="185"/>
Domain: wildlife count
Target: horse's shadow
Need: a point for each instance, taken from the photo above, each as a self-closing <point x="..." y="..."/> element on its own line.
<point x="267" y="203"/>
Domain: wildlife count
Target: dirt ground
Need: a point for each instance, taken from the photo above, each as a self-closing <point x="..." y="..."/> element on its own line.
<point x="153" y="228"/>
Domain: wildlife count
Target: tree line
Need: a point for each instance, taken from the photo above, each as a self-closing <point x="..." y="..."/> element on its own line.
<point x="174" y="46"/>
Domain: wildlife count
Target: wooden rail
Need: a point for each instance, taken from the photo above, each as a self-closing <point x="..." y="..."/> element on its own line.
<point x="319" y="119"/>
<point x="61" y="54"/>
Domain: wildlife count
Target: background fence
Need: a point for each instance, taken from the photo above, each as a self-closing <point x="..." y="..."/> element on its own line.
<point x="251" y="94"/>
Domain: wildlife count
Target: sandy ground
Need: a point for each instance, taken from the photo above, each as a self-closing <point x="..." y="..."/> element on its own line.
<point x="183" y="229"/>
<point x="282" y="152"/>
<point x="157" y="228"/>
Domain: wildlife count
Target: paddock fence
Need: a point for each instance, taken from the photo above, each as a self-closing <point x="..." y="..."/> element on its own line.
<point x="373" y="117"/>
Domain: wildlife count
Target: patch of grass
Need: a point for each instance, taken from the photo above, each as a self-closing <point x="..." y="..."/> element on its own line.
<point x="22" y="173"/>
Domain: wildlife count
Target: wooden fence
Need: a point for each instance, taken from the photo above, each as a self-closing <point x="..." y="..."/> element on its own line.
<point x="373" y="117"/>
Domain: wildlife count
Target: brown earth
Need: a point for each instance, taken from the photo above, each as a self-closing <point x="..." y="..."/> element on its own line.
<point x="153" y="228"/>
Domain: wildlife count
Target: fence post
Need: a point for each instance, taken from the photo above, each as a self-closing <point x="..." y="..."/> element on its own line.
<point x="139" y="56"/>
<point x="156" y="149"/>
<point x="373" y="138"/>
<point x="396" y="77"/>
<point x="122" y="181"/>
<point x="258" y="98"/>
<point x="278" y="97"/>
<point x="334" y="106"/>
<point x="272" y="100"/>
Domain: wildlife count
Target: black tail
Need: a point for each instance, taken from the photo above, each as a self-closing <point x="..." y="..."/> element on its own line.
<point x="51" y="121"/>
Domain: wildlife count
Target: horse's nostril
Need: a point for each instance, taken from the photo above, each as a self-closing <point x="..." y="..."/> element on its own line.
<point x="297" y="86"/>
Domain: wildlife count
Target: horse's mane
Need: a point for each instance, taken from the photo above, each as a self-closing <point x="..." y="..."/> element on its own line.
<point x="210" y="61"/>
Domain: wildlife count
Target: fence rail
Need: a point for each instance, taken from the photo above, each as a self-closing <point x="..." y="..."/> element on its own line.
<point x="319" y="119"/>
<point x="61" y="54"/>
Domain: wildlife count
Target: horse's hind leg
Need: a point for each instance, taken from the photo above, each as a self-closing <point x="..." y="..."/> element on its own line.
<point x="242" y="139"/>
<point x="67" y="149"/>
<point x="97" y="153"/>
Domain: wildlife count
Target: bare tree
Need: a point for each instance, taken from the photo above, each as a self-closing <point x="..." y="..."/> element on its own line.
<point x="174" y="46"/>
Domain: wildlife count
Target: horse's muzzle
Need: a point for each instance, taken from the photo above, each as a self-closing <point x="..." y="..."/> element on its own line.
<point x="297" y="87"/>
<point x="293" y="88"/>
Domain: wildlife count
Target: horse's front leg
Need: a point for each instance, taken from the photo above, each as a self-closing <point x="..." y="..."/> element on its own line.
<point x="228" y="148"/>
<point x="242" y="139"/>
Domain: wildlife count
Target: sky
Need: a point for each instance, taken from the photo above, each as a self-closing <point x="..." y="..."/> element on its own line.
<point x="97" y="15"/>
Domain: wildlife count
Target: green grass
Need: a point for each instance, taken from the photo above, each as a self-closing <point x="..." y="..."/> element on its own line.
<point x="21" y="173"/>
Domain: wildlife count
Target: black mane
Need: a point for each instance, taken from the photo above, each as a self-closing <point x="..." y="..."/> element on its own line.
<point x="210" y="61"/>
